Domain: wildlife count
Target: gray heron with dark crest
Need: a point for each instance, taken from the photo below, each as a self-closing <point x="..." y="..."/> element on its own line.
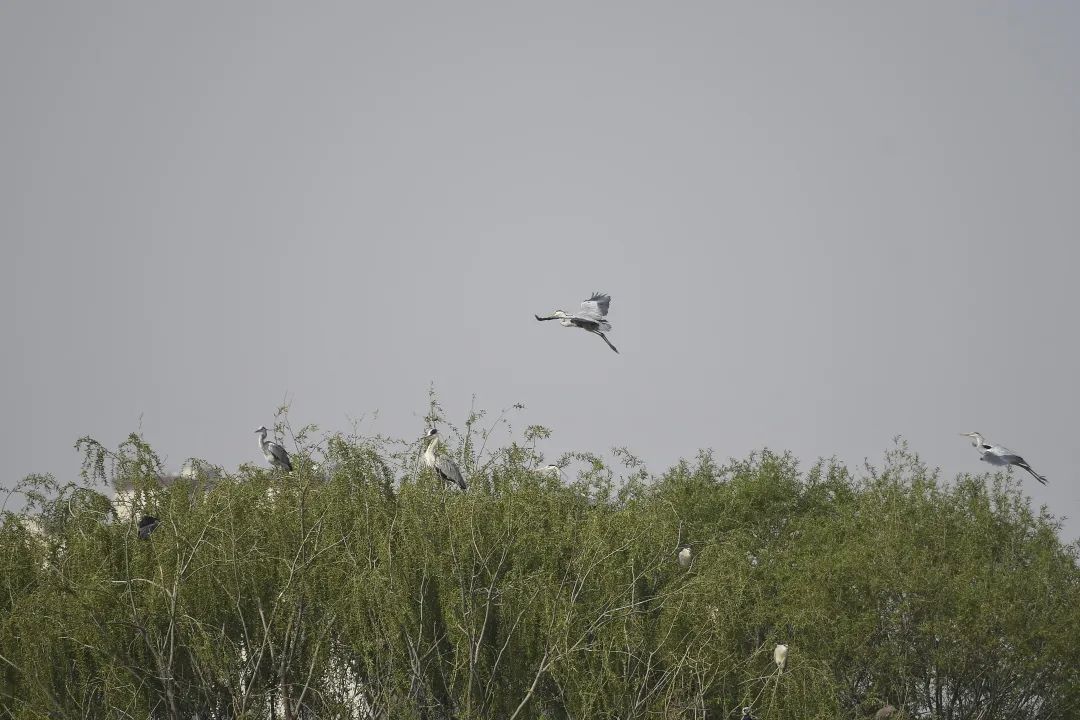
<point x="998" y="455"/>
<point x="274" y="453"/>
<point x="443" y="466"/>
<point x="591" y="317"/>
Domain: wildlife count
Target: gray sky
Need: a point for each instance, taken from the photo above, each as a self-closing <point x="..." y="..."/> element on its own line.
<point x="821" y="228"/>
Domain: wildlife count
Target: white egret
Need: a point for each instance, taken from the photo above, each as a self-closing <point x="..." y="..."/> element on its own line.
<point x="779" y="657"/>
<point x="685" y="556"/>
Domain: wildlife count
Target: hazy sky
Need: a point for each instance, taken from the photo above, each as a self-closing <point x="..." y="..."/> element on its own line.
<point x="821" y="228"/>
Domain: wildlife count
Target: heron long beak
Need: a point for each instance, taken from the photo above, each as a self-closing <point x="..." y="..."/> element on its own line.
<point x="550" y="317"/>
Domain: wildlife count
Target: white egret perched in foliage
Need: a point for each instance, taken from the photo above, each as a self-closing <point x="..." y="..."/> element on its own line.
<point x="443" y="466"/>
<point x="274" y="453"/>
<point x="998" y="455"/>
<point x="146" y="526"/>
<point x="685" y="556"/>
<point x="779" y="656"/>
<point x="592" y="317"/>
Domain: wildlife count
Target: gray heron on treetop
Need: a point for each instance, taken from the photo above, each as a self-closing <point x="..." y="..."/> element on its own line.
<point x="998" y="455"/>
<point x="443" y="466"/>
<point x="779" y="656"/>
<point x="590" y="317"/>
<point x="274" y="453"/>
<point x="146" y="526"/>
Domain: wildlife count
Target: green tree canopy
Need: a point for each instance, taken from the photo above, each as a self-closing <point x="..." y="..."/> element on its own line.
<point x="359" y="586"/>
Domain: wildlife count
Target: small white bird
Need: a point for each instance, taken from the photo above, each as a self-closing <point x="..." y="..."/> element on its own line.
<point x="274" y="453"/>
<point x="685" y="556"/>
<point x="779" y="656"/>
<point x="998" y="455"/>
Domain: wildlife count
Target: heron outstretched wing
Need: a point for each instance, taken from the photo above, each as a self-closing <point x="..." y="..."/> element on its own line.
<point x="590" y="324"/>
<point x="596" y="307"/>
<point x="449" y="471"/>
<point x="280" y="455"/>
<point x="1003" y="455"/>
<point x="1000" y="455"/>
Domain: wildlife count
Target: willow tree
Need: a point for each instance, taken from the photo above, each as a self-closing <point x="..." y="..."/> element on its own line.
<point x="359" y="586"/>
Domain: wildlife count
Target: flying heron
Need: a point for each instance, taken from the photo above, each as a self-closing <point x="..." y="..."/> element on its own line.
<point x="998" y="455"/>
<point x="590" y="317"/>
<point x="274" y="453"/>
<point x="443" y="466"/>
<point x="147" y="525"/>
<point x="779" y="656"/>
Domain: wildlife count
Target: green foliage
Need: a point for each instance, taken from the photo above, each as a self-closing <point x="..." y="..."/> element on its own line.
<point x="361" y="586"/>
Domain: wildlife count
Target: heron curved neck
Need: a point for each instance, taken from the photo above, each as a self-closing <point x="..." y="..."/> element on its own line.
<point x="977" y="440"/>
<point x="429" y="453"/>
<point x="263" y="442"/>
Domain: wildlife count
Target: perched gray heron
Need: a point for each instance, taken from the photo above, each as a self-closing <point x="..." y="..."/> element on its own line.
<point x="685" y="556"/>
<point x="443" y="466"/>
<point x="746" y="714"/>
<point x="274" y="453"/>
<point x="147" y="525"/>
<point x="998" y="455"/>
<point x="779" y="656"/>
<point x="590" y="317"/>
<point x="552" y="470"/>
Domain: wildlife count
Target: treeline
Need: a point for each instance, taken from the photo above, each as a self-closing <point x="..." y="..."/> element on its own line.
<point x="359" y="586"/>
